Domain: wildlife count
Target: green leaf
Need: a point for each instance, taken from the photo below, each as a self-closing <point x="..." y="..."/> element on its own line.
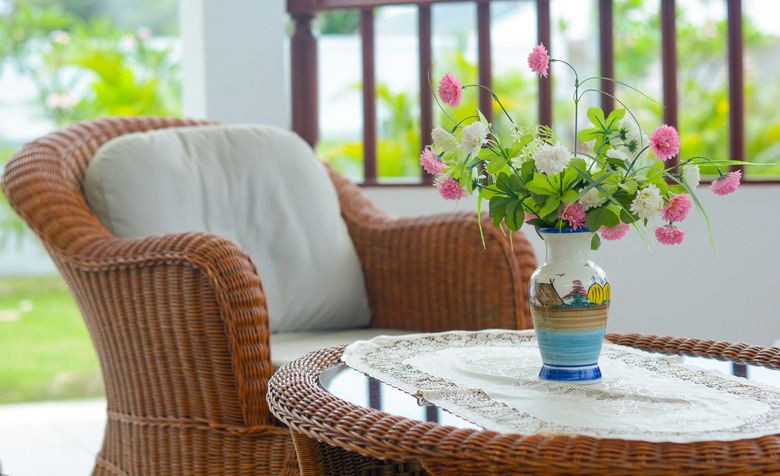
<point x="515" y="214"/>
<point x="496" y="164"/>
<point x="540" y="185"/>
<point x="593" y="219"/>
<point x="656" y="170"/>
<point x="487" y="194"/>
<point x="516" y="185"/>
<point x="569" y="196"/>
<point x="614" y="119"/>
<point x="498" y="204"/>
<point x="611" y="215"/>
<point x="629" y="186"/>
<point x="502" y="182"/>
<point x="595" y="242"/>
<point x="527" y="171"/>
<point x="587" y="135"/>
<point x="571" y="176"/>
<point x="550" y="207"/>
<point x="596" y="116"/>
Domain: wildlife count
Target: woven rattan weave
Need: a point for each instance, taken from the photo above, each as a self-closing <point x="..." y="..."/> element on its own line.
<point x="180" y="323"/>
<point x="333" y="436"/>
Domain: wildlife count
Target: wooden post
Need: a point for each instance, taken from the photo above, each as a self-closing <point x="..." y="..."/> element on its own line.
<point x="369" y="97"/>
<point x="485" y="74"/>
<point x="736" y="85"/>
<point x="607" y="56"/>
<point x="426" y="96"/>
<point x="545" y="84"/>
<point x="303" y="63"/>
<point x="669" y="58"/>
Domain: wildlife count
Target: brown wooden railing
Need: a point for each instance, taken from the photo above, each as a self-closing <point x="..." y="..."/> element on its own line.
<point x="305" y="120"/>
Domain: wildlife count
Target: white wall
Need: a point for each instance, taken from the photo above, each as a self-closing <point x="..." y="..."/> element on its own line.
<point x="689" y="290"/>
<point x="234" y="70"/>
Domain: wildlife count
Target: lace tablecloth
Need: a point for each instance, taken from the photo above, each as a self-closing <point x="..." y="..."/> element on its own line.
<point x="490" y="378"/>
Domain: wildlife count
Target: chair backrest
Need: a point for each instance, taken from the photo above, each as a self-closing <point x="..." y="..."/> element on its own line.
<point x="259" y="186"/>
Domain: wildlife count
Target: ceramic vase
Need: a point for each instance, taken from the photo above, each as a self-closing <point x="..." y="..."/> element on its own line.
<point x="570" y="298"/>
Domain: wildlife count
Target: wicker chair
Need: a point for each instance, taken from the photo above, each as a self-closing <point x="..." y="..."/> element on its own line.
<point x="180" y="322"/>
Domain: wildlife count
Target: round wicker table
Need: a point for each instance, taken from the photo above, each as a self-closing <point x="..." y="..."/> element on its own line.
<point x="334" y="436"/>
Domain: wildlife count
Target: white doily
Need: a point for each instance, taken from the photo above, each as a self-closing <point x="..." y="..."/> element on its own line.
<point x="490" y="378"/>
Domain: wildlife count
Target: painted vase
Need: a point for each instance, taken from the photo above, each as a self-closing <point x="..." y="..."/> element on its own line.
<point x="569" y="297"/>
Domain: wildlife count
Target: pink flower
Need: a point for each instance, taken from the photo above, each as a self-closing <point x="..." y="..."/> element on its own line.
<point x="450" y="90"/>
<point x="574" y="214"/>
<point x="669" y="235"/>
<point x="665" y="142"/>
<point x="529" y="216"/>
<point x="613" y="233"/>
<point x="677" y="208"/>
<point x="450" y="189"/>
<point x="726" y="184"/>
<point x="430" y="163"/>
<point x="539" y="60"/>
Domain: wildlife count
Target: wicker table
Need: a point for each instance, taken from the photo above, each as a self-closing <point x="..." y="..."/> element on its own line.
<point x="333" y="436"/>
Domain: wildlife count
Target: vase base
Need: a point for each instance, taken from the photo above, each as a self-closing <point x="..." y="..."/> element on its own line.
<point x="584" y="375"/>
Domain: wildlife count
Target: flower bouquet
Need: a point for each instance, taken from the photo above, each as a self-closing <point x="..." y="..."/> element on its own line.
<point x="533" y="177"/>
<point x="573" y="200"/>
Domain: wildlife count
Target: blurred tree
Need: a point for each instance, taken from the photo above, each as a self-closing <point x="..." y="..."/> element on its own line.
<point x="83" y="68"/>
<point x="702" y="80"/>
<point x="161" y="16"/>
<point x="338" y="22"/>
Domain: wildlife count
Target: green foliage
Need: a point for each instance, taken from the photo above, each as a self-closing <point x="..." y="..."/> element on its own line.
<point x="702" y="81"/>
<point x="160" y="15"/>
<point x="84" y="68"/>
<point x="338" y="22"/>
<point x="399" y="143"/>
<point x="47" y="354"/>
<point x="87" y="68"/>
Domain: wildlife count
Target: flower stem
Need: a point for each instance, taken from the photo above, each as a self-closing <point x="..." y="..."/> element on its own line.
<point x="495" y="97"/>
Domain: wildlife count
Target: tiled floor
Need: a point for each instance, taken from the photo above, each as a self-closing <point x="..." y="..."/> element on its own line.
<point x="51" y="438"/>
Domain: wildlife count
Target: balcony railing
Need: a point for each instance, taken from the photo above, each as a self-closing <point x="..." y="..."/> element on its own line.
<point x="305" y="117"/>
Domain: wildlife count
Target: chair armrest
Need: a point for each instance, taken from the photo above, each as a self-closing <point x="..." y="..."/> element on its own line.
<point x="188" y="313"/>
<point x="184" y="312"/>
<point x="432" y="273"/>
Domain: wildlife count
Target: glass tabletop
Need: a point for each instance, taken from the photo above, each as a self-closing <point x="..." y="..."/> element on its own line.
<point x="353" y="386"/>
<point x="348" y="384"/>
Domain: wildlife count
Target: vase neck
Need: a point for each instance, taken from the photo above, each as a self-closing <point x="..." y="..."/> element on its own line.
<point x="567" y="247"/>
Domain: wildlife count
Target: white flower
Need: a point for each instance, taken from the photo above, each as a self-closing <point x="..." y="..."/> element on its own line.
<point x="648" y="202"/>
<point x="617" y="154"/>
<point x="444" y="140"/>
<point x="60" y="37"/>
<point x="66" y="100"/>
<point x="127" y="42"/>
<point x="634" y="138"/>
<point x="552" y="159"/>
<point x="517" y="134"/>
<point x="474" y="136"/>
<point x="144" y="33"/>
<point x="592" y="199"/>
<point x="519" y="160"/>
<point x="691" y="175"/>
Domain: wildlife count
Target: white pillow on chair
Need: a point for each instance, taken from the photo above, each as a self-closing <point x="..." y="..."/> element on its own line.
<point x="259" y="186"/>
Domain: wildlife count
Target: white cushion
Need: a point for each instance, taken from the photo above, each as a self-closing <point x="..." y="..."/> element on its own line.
<point x="291" y="345"/>
<point x="259" y="186"/>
